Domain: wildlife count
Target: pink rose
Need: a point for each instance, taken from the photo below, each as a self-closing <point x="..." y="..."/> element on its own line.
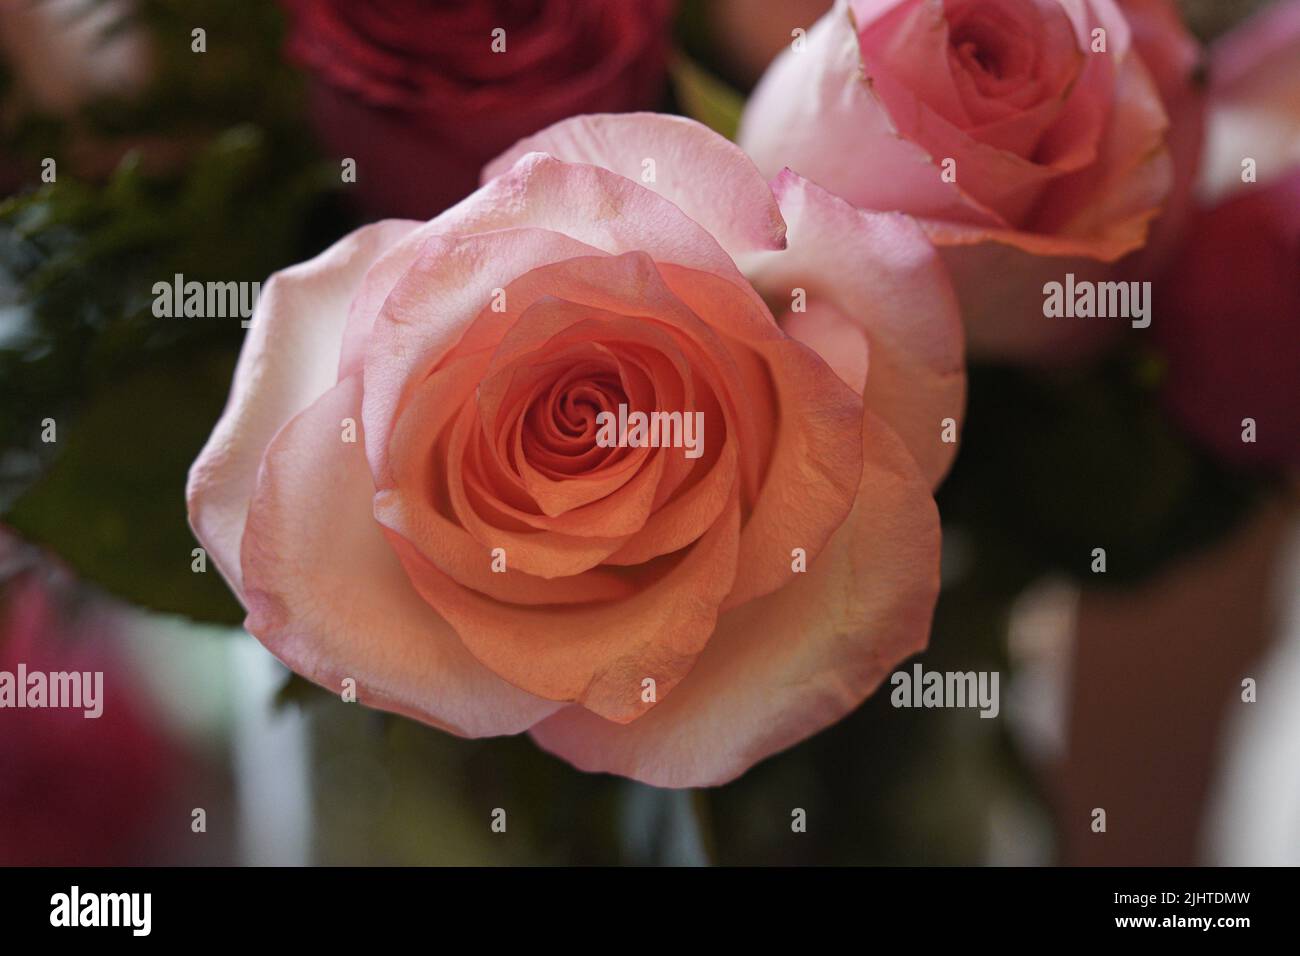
<point x="1032" y="138"/>
<point x="479" y="560"/>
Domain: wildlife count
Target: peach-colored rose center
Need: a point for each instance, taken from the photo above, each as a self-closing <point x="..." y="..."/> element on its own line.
<point x="559" y="428"/>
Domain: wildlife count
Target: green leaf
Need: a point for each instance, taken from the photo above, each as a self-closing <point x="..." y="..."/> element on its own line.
<point x="112" y="504"/>
<point x="706" y="98"/>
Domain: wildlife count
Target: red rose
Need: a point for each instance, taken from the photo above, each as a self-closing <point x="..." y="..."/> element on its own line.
<point x="422" y="94"/>
<point x="1230" y="325"/>
<point x="1229" y="319"/>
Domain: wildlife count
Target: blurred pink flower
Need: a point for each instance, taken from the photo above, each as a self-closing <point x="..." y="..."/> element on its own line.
<point x="73" y="790"/>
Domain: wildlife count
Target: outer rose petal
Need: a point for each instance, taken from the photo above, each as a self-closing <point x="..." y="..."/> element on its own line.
<point x="598" y="654"/>
<point x="1174" y="58"/>
<point x="839" y="340"/>
<point x="790" y="664"/>
<point x="881" y="272"/>
<point x="705" y="175"/>
<point x="327" y="595"/>
<point x="595" y="206"/>
<point x="289" y="360"/>
<point x="1161" y="38"/>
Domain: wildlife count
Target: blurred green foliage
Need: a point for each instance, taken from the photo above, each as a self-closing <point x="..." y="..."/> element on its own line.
<point x="704" y="97"/>
<point x="218" y="180"/>
<point x="1055" y="464"/>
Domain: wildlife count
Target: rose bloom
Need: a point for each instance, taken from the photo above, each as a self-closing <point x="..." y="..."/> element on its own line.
<point x="414" y="92"/>
<point x="1231" y="334"/>
<point x="476" y="560"/>
<point x="1027" y="153"/>
<point x="1230" y="329"/>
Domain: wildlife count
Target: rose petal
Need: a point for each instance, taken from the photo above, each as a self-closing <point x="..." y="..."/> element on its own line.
<point x="587" y="204"/>
<point x="703" y="174"/>
<point x="815" y="112"/>
<point x="573" y="293"/>
<point x="1001" y="178"/>
<point x="1103" y="212"/>
<point x="442" y="540"/>
<point x="429" y="310"/>
<point x="289" y="359"/>
<point x="1175" y="61"/>
<point x="423" y="314"/>
<point x="834" y="336"/>
<point x="327" y="596"/>
<point x="782" y="668"/>
<point x="1115" y="199"/>
<point x="810" y="421"/>
<point x="879" y="271"/>
<point x="599" y="655"/>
